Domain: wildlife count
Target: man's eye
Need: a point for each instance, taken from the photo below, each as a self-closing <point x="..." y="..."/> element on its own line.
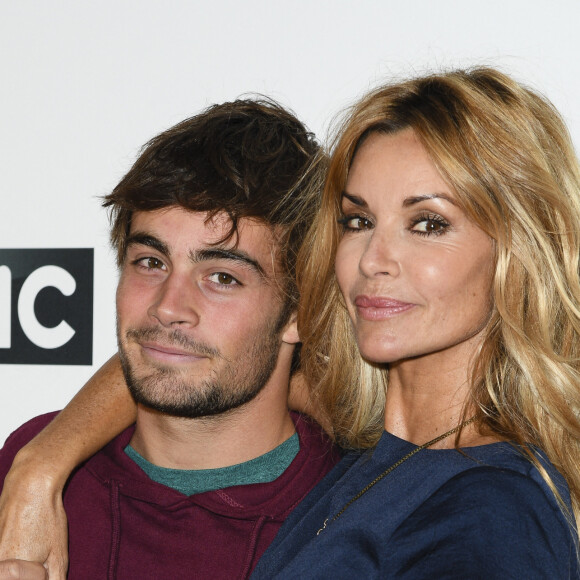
<point x="149" y="263"/>
<point x="223" y="279"/>
<point x="355" y="223"/>
<point x="154" y="263"/>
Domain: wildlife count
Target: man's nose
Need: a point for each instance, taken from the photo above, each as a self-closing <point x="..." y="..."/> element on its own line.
<point x="175" y="302"/>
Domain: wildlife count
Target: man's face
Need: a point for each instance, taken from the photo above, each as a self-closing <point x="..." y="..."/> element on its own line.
<point x="199" y="324"/>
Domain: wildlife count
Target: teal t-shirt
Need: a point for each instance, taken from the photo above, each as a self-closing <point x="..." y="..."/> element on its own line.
<point x="263" y="469"/>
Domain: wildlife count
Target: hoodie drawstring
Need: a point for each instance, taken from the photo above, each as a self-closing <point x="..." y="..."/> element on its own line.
<point x="252" y="546"/>
<point x="115" y="530"/>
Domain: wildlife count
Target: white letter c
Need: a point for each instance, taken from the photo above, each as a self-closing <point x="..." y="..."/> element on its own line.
<point x="41" y="278"/>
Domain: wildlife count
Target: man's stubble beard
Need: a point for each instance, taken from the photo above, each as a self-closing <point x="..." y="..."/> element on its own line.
<point x="232" y="384"/>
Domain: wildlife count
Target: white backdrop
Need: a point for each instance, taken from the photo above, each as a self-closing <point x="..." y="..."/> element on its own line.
<point x="84" y="84"/>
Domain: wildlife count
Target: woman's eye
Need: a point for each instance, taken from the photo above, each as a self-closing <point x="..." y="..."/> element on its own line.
<point x="355" y="223"/>
<point x="223" y="279"/>
<point x="430" y="225"/>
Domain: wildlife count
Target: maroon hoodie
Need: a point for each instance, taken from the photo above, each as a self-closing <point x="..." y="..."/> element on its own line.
<point x="124" y="525"/>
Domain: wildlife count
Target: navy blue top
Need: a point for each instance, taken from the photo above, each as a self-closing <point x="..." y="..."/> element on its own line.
<point x="484" y="512"/>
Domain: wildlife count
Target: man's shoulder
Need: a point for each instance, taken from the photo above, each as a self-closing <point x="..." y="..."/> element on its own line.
<point x="29" y="430"/>
<point x="314" y="440"/>
<point x="19" y="438"/>
<point x="317" y="456"/>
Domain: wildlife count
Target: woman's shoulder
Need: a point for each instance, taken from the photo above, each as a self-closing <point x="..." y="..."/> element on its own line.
<point x="492" y="464"/>
<point x="501" y="512"/>
<point x="502" y="490"/>
<point x="513" y="469"/>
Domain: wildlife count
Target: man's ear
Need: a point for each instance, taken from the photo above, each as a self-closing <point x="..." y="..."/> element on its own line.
<point x="290" y="333"/>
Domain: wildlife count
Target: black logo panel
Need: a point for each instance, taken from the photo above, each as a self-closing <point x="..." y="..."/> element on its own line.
<point x="46" y="306"/>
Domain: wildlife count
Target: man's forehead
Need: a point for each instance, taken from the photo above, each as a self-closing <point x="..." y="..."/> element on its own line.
<point x="205" y="229"/>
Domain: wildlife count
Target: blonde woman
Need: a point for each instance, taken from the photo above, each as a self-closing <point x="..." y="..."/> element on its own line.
<point x="441" y="329"/>
<point x="452" y="211"/>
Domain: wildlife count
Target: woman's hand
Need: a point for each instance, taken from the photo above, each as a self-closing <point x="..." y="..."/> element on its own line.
<point x="33" y="525"/>
<point x="22" y="570"/>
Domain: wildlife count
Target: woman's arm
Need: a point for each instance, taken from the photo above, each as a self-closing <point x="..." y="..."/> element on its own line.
<point x="32" y="519"/>
<point x="300" y="399"/>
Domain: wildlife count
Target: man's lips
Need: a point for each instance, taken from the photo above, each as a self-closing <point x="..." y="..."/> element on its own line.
<point x="380" y="308"/>
<point x="167" y="353"/>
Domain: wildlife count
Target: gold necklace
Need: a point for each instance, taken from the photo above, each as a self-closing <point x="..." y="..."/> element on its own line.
<point x="391" y="468"/>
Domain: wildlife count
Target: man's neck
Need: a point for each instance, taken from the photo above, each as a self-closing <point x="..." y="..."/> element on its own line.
<point x="216" y="441"/>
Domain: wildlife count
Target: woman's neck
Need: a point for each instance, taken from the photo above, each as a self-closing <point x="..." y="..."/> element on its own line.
<point x="430" y="395"/>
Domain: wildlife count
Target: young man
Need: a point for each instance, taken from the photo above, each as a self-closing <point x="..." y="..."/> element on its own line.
<point x="206" y="225"/>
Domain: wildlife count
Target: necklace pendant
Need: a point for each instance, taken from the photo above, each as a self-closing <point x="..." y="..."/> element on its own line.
<point x="322" y="528"/>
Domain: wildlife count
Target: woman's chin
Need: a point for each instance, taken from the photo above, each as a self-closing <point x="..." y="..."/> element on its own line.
<point x="380" y="354"/>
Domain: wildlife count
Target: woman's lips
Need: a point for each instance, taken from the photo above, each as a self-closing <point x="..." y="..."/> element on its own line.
<point x="378" y="308"/>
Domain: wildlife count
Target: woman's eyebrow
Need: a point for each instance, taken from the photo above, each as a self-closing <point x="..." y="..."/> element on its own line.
<point x="409" y="201"/>
<point x="354" y="199"/>
<point x="419" y="198"/>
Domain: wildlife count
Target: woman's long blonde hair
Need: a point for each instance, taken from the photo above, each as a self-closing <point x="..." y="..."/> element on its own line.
<point x="507" y="154"/>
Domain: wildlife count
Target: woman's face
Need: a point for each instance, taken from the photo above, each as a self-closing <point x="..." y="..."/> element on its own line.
<point x="415" y="272"/>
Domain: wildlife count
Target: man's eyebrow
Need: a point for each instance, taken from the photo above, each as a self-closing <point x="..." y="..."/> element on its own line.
<point x="231" y="255"/>
<point x="143" y="239"/>
<point x="409" y="201"/>
<point x="355" y="199"/>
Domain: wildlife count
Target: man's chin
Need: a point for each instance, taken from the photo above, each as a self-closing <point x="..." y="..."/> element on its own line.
<point x="152" y="371"/>
<point x="191" y="399"/>
<point x="200" y="407"/>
